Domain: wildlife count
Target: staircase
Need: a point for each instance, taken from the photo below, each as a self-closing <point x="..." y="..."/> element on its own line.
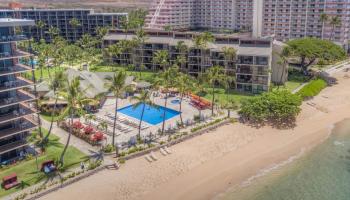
<point x="156" y="14"/>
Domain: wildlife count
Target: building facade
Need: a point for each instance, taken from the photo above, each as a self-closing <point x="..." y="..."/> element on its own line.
<point x="281" y="19"/>
<point x="16" y="107"/>
<point x="251" y="67"/>
<point x="59" y="18"/>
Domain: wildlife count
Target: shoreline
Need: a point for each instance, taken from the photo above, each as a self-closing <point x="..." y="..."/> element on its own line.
<point x="208" y="165"/>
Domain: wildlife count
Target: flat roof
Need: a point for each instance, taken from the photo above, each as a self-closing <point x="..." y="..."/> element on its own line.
<point x="9" y="22"/>
<point x="241" y="49"/>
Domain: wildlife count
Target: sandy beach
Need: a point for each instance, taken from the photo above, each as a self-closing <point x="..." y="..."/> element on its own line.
<point x="205" y="166"/>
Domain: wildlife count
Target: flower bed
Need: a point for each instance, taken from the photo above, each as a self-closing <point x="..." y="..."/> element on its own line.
<point x="87" y="133"/>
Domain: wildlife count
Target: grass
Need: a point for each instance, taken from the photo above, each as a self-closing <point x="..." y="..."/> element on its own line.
<point x="313" y="88"/>
<point x="295" y="79"/>
<point x="27" y="171"/>
<point x="221" y="97"/>
<point x="48" y="117"/>
<point x="46" y="76"/>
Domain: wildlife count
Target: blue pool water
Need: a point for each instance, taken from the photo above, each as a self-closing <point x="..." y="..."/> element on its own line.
<point x="175" y="101"/>
<point x="152" y="115"/>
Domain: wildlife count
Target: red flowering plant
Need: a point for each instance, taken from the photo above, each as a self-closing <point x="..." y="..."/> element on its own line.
<point x="89" y="130"/>
<point x="78" y="125"/>
<point x="98" y="136"/>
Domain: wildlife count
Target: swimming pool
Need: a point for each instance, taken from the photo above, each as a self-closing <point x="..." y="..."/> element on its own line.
<point x="152" y="115"/>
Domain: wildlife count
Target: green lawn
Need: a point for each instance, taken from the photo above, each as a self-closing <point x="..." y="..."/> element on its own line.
<point x="48" y="117"/>
<point x="221" y="97"/>
<point x="27" y="171"/>
<point x="45" y="72"/>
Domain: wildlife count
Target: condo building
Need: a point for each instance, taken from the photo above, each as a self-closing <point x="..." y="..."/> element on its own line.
<point x="281" y="19"/>
<point x="251" y="67"/>
<point x="60" y="18"/>
<point x="16" y="103"/>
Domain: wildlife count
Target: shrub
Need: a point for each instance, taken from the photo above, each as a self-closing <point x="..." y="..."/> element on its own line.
<point x="89" y="130"/>
<point x="312" y="89"/>
<point x="108" y="148"/>
<point x="78" y="125"/>
<point x="277" y="106"/>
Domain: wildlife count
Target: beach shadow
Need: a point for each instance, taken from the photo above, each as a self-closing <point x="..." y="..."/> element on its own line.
<point x="282" y="125"/>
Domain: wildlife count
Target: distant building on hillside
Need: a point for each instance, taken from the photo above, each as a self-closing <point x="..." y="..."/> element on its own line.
<point x="59" y="18"/>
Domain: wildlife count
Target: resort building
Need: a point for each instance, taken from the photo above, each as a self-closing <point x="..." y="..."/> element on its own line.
<point x="16" y="107"/>
<point x="281" y="19"/>
<point x="59" y="18"/>
<point x="251" y="67"/>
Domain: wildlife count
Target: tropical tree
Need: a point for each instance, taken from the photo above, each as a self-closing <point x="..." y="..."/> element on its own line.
<point x="334" y="21"/>
<point x="182" y="48"/>
<point x="71" y="54"/>
<point x="161" y="58"/>
<point x="103" y="126"/>
<point x="75" y="23"/>
<point x="184" y="85"/>
<point x="53" y="32"/>
<point x="56" y="84"/>
<point x="75" y="105"/>
<point x="41" y="24"/>
<point x="142" y="100"/>
<point x="283" y="62"/>
<point x="89" y="118"/>
<point x="139" y="42"/>
<point x="201" y="42"/>
<point x="101" y="31"/>
<point x="215" y="75"/>
<point x="323" y="20"/>
<point x="230" y="104"/>
<point x="118" y="87"/>
<point x="230" y="56"/>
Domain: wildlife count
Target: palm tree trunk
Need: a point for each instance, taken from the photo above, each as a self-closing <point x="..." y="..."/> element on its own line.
<point x="41" y="73"/>
<point x="51" y="123"/>
<point x="164" y="112"/>
<point x="213" y="99"/>
<point x="180" y="109"/>
<point x="323" y="23"/>
<point x="115" y="120"/>
<point x="143" y="111"/>
<point x="68" y="139"/>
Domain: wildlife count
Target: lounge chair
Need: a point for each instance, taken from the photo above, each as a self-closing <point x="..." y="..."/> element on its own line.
<point x="153" y="156"/>
<point x="167" y="150"/>
<point x="148" y="158"/>
<point x="162" y="151"/>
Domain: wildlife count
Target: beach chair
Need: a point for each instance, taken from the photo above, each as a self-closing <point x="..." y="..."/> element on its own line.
<point x="153" y="156"/>
<point x="148" y="158"/>
<point x="167" y="150"/>
<point x="162" y="151"/>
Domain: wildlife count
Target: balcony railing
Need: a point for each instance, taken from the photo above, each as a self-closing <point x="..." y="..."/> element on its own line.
<point x="12" y="38"/>
<point x="18" y="68"/>
<point x="15" y="54"/>
<point x="20" y="82"/>
<point x="12" y="146"/>
<point x="21" y="97"/>
<point x="24" y="126"/>
<point x="17" y="114"/>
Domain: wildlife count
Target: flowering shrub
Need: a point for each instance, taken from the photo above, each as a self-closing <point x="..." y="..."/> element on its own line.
<point x="89" y="130"/>
<point x="78" y="125"/>
<point x="97" y="137"/>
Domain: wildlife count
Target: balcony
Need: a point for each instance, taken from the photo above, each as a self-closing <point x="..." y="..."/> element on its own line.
<point x="15" y="54"/>
<point x="18" y="68"/>
<point x="21" y="97"/>
<point x="19" y="83"/>
<point x="17" y="114"/>
<point x="25" y="126"/>
<point x="12" y="146"/>
<point x="12" y="38"/>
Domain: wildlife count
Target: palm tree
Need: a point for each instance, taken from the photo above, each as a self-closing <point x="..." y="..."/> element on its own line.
<point x="214" y="75"/>
<point x="201" y="42"/>
<point x="184" y="85"/>
<point x="182" y="48"/>
<point x="141" y="100"/>
<point x="230" y="104"/>
<point x="53" y="32"/>
<point x="75" y="105"/>
<point x="89" y="118"/>
<point x="41" y="24"/>
<point x="118" y="87"/>
<point x="283" y="61"/>
<point x="230" y="55"/>
<point x="161" y="58"/>
<point x="140" y="39"/>
<point x="167" y="80"/>
<point x="103" y="126"/>
<point x="75" y="23"/>
<point x="334" y="21"/>
<point x="323" y="19"/>
<point x="56" y="84"/>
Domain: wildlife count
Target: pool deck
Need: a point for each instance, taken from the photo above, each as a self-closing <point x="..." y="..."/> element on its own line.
<point x="188" y="112"/>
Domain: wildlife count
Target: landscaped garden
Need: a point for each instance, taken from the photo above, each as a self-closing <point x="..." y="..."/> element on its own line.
<point x="28" y="170"/>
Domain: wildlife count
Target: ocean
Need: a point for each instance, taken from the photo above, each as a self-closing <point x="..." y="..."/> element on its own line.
<point x="322" y="173"/>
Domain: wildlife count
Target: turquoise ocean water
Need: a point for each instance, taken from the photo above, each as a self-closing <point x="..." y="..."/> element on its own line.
<point x="321" y="174"/>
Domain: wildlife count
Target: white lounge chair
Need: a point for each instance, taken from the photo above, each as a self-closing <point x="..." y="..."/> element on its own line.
<point x="148" y="158"/>
<point x="153" y="156"/>
<point x="162" y="151"/>
<point x="167" y="150"/>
